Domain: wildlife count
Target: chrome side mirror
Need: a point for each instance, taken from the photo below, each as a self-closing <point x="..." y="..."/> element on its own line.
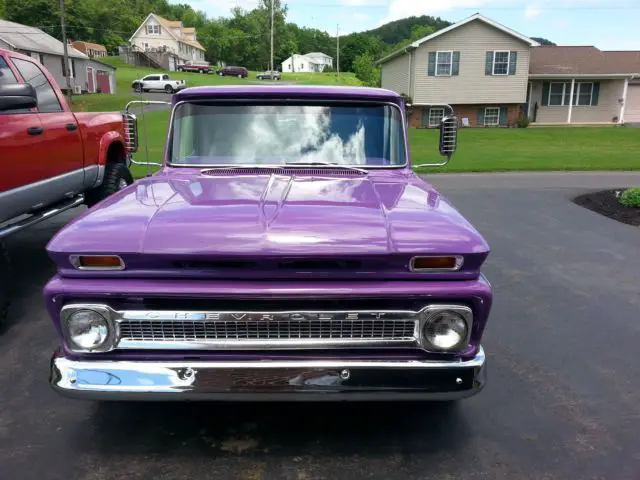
<point x="448" y="141"/>
<point x="448" y="136"/>
<point x="131" y="130"/>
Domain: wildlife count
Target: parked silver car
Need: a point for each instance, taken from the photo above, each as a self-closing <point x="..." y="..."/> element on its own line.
<point x="269" y="75"/>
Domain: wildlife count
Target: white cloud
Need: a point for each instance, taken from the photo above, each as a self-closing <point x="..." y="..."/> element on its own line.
<point x="532" y="11"/>
<point x="405" y="8"/>
<point x="363" y="3"/>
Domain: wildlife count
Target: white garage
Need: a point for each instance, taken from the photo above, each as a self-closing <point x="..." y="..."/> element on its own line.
<point x="632" y="109"/>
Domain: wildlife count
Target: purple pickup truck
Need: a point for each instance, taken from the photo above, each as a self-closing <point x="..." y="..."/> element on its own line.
<point x="285" y="250"/>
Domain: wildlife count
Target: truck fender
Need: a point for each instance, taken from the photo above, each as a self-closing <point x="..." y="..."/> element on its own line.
<point x="106" y="142"/>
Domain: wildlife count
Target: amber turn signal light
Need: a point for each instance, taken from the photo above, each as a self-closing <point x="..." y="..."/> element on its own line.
<point x="444" y="263"/>
<point x="97" y="262"/>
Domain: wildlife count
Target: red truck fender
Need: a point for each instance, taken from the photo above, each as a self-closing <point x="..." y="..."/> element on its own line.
<point x="111" y="149"/>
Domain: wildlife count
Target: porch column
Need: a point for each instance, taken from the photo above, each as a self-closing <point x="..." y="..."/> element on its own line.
<point x="624" y="101"/>
<point x="573" y="86"/>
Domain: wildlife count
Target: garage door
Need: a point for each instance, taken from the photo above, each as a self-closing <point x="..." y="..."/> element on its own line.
<point x="632" y="110"/>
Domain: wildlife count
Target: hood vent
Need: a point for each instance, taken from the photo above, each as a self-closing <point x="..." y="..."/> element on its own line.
<point x="281" y="264"/>
<point x="312" y="172"/>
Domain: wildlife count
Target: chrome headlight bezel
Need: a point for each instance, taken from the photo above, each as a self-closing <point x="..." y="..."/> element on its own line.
<point x="110" y="342"/>
<point x="430" y="314"/>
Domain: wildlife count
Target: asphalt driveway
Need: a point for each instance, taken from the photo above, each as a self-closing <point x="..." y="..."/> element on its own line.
<point x="563" y="399"/>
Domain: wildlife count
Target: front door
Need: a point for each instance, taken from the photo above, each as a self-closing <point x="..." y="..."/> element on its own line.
<point x="90" y="85"/>
<point x="19" y="142"/>
<point x="102" y="79"/>
<point x="59" y="149"/>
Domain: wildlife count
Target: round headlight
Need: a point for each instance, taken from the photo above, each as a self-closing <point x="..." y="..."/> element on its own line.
<point x="87" y="329"/>
<point x="446" y="330"/>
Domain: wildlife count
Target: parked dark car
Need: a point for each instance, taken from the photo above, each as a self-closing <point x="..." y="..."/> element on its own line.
<point x="194" y="67"/>
<point x="239" y="72"/>
<point x="269" y="75"/>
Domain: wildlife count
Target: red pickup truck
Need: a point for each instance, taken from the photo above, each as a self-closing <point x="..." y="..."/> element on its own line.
<point x="51" y="159"/>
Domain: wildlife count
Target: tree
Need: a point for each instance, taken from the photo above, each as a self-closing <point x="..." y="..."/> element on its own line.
<point x="543" y="41"/>
<point x="366" y="71"/>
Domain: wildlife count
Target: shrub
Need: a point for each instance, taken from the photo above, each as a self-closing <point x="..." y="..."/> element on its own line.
<point x="329" y="69"/>
<point x="631" y="197"/>
<point x="523" y="122"/>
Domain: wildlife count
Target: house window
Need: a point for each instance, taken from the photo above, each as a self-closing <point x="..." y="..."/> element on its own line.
<point x="560" y="93"/>
<point x="444" y="63"/>
<point x="492" y="116"/>
<point x="501" y="63"/>
<point x="557" y="95"/>
<point x="583" y="94"/>
<point x="435" y="116"/>
<point x="153" y="29"/>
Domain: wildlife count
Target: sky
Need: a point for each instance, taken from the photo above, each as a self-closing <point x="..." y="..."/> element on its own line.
<point x="607" y="24"/>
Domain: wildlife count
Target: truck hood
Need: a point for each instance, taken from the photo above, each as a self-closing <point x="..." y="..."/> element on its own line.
<point x="272" y="215"/>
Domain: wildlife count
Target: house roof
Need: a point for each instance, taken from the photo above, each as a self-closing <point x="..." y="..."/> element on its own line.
<point x="31" y="39"/>
<point x="95" y="46"/>
<point x="313" y="56"/>
<point x="582" y="60"/>
<point x="170" y="25"/>
<point x="193" y="43"/>
<point x="472" y="18"/>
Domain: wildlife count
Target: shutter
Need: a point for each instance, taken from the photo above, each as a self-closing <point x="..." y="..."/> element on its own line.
<point x="480" y="117"/>
<point x="545" y="93"/>
<point x="425" y="117"/>
<point x="513" y="62"/>
<point x="432" y="64"/>
<point x="504" y="115"/>
<point x="455" y="67"/>
<point x="596" y="93"/>
<point x="488" y="66"/>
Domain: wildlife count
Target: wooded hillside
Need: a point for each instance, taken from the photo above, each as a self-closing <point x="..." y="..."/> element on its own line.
<point x="241" y="38"/>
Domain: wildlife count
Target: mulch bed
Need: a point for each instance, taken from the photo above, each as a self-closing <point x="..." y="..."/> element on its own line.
<point x="606" y="203"/>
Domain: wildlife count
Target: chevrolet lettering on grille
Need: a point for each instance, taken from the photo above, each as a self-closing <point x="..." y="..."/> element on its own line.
<point x="257" y="316"/>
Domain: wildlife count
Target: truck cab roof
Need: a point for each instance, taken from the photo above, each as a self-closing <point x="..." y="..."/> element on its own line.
<point x="296" y="91"/>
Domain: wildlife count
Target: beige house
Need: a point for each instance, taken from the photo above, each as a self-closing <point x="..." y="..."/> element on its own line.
<point x="477" y="66"/>
<point x="169" y="41"/>
<point x="583" y="85"/>
<point x="492" y="76"/>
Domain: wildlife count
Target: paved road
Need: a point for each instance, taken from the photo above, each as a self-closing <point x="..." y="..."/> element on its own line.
<point x="563" y="400"/>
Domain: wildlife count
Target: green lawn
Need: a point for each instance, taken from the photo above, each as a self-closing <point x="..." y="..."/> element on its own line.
<point x="125" y="74"/>
<point x="479" y="150"/>
<point x="557" y="148"/>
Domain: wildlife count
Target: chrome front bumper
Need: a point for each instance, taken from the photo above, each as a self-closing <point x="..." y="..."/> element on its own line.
<point x="315" y="380"/>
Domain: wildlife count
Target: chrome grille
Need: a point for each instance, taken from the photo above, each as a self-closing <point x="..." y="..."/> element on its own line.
<point x="159" y="331"/>
<point x="207" y="330"/>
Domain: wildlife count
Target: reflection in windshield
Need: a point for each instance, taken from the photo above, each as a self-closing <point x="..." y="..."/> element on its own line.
<point x="279" y="134"/>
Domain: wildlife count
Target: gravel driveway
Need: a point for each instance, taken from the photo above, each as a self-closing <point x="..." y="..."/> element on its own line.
<point x="562" y="402"/>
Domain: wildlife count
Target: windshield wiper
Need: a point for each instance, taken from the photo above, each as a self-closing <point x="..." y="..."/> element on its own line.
<point x="328" y="164"/>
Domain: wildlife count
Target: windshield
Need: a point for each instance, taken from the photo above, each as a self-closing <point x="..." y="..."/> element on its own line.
<point x="354" y="134"/>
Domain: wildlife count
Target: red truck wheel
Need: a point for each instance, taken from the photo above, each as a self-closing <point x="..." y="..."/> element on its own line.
<point x="5" y="283"/>
<point x="116" y="177"/>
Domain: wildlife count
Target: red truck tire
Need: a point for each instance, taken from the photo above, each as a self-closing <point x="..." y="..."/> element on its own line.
<point x="5" y="281"/>
<point x="116" y="177"/>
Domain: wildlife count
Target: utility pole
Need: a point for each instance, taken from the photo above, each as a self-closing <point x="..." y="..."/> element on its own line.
<point x="271" y="62"/>
<point x="66" y="51"/>
<point x="338" y="50"/>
